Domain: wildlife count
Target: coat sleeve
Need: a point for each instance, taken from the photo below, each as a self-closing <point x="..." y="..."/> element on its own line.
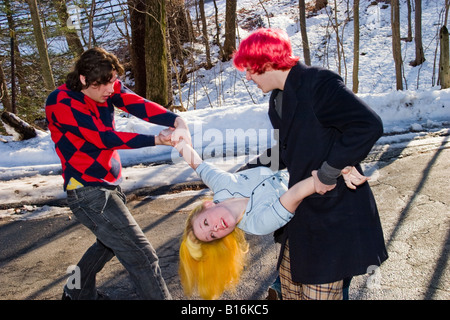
<point x="358" y="126"/>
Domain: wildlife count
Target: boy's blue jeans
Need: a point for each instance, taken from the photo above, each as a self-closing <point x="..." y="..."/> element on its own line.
<point x="104" y="212"/>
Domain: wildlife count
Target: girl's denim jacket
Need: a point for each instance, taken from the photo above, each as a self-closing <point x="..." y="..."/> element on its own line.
<point x="264" y="213"/>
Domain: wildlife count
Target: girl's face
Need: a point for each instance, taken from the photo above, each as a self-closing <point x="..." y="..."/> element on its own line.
<point x="214" y="222"/>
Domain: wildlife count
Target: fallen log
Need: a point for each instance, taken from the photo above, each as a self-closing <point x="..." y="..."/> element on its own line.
<point x="17" y="127"/>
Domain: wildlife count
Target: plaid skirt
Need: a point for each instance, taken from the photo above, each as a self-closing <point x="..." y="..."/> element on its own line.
<point x="291" y="290"/>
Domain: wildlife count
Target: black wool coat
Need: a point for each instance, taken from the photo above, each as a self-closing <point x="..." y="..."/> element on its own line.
<point x="339" y="234"/>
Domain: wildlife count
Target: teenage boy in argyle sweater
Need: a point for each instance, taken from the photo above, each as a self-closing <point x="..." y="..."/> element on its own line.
<point x="80" y="115"/>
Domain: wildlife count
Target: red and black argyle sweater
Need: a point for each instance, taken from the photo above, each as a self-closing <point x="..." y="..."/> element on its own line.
<point x="85" y="137"/>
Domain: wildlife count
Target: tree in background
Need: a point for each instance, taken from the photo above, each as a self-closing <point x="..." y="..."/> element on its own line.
<point x="396" y="45"/>
<point x="156" y="52"/>
<point x="41" y="44"/>
<point x="355" y="46"/>
<point x="305" y="42"/>
<point x="230" y="30"/>
<point x="420" y="57"/>
<point x="73" y="41"/>
<point x="4" y="95"/>
<point x="444" y="64"/>
<point x="137" y="9"/>
<point x="201" y="6"/>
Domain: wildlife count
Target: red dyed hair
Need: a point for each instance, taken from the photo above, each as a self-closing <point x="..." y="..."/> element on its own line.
<point x="263" y="49"/>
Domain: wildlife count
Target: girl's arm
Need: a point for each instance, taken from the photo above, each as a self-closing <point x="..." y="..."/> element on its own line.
<point x="189" y="154"/>
<point x="292" y="198"/>
<point x="212" y="176"/>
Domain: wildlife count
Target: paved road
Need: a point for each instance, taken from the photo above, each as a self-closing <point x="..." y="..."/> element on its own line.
<point x="411" y="185"/>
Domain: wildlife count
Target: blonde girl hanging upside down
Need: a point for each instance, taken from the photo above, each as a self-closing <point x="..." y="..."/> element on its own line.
<point x="255" y="201"/>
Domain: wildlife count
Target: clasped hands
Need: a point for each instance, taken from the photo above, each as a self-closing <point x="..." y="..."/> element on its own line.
<point x="174" y="135"/>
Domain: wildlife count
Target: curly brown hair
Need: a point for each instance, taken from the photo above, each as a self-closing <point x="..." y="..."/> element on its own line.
<point x="97" y="65"/>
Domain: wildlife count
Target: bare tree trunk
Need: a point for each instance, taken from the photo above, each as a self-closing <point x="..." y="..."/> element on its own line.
<point x="178" y="34"/>
<point x="305" y="42"/>
<point x="13" y="72"/>
<point x="169" y="61"/>
<point x="189" y="25"/>
<point x="355" y="45"/>
<point x="201" y="5"/>
<point x="174" y="9"/>
<point x="338" y="40"/>
<point x="90" y="15"/>
<point x="230" y="30"/>
<point x="396" y="45"/>
<point x="447" y="6"/>
<point x="17" y="65"/>
<point x="444" y="65"/>
<point x="4" y="96"/>
<point x="156" y="52"/>
<point x="409" y="37"/>
<point x="42" y="47"/>
<point x="420" y="57"/>
<point x="137" y="10"/>
<point x="216" y="10"/>
<point x="179" y="13"/>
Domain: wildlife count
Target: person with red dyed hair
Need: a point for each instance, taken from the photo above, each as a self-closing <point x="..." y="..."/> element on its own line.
<point x="336" y="233"/>
<point x="264" y="50"/>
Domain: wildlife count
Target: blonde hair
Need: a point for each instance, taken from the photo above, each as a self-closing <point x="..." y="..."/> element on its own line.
<point x="210" y="268"/>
